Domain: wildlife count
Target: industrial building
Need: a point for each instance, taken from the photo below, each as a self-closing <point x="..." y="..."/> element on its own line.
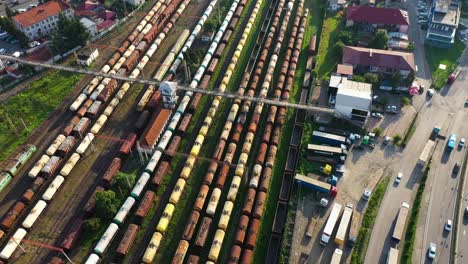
<point x="353" y="100"/>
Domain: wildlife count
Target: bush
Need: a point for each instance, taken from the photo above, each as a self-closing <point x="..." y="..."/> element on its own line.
<point x="405" y="100"/>
<point x="397" y="139"/>
<point x="339" y="48"/>
<point x="92" y="225"/>
<point x="107" y="205"/>
<point x="378" y="131"/>
<point x="123" y="182"/>
<point x="372" y="78"/>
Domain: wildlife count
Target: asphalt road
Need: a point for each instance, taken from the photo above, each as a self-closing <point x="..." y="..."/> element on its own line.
<point x="462" y="237"/>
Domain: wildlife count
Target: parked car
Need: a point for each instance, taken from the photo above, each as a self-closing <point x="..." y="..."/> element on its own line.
<point x="448" y="225"/>
<point x="22" y="10"/>
<point x="466" y="102"/>
<point x="431" y="252"/>
<point x="430" y="92"/>
<point x="466" y="212"/>
<point x="366" y="194"/>
<point x="387" y="140"/>
<point x="377" y="115"/>
<point x="461" y="144"/>
<point x="33" y="44"/>
<point x="2" y="51"/>
<point x="392" y="109"/>
<point x="398" y="178"/>
<point x="456" y="169"/>
<point x="423" y="21"/>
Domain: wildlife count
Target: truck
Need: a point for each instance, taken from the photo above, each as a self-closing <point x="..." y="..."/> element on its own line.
<point x="344" y="224"/>
<point x="328" y="151"/>
<point x="316" y="185"/>
<point x="451" y="79"/>
<point x="330" y="225"/>
<point x="435" y="133"/>
<point x="392" y="257"/>
<point x="336" y="257"/>
<point x="425" y="154"/>
<point x="330" y="139"/>
<point x="452" y="141"/>
<point x="353" y="231"/>
<point x="400" y="223"/>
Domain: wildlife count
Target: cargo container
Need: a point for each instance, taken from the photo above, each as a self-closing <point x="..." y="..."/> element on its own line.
<point x="400" y="223"/>
<point x="145" y="205"/>
<point x="53" y="187"/>
<point x="330" y="224"/>
<point x="316" y="185"/>
<point x="38" y="166"/>
<point x="193" y="259"/>
<point x="66" y="146"/>
<point x="180" y="252"/>
<point x="90" y="205"/>
<point x="344" y="224"/>
<point x="330" y="139"/>
<point x="152" y="248"/>
<point x="125" y="244"/>
<point x="159" y="174"/>
<point x="323" y="150"/>
<point x="71" y="162"/>
<point x="54" y="146"/>
<point x="251" y="238"/>
<point x="191" y="225"/>
<point x="13" y="214"/>
<point x="92" y="259"/>
<point x="392" y="257"/>
<point x="50" y="167"/>
<point x="80" y="129"/>
<point x="202" y="234"/>
<point x="73" y="235"/>
<point x="34" y="214"/>
<point x="124" y="210"/>
<point x="154" y="128"/>
<point x="13" y="243"/>
<point x="200" y="200"/>
<point x="112" y="170"/>
<point x="165" y="218"/>
<point x="106" y="239"/>
<point x="216" y="246"/>
<point x="336" y="257"/>
<point x="128" y="144"/>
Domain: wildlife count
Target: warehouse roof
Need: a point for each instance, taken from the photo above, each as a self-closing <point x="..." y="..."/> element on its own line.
<point x="378" y="58"/>
<point x="41" y="12"/>
<point x="355" y="89"/>
<point x="377" y="15"/>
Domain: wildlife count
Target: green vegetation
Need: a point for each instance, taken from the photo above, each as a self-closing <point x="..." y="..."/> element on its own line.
<point x="448" y="57"/>
<point x="408" y="243"/>
<point x="123" y="182"/>
<point x="362" y="241"/>
<point x="107" y="204"/>
<point x="32" y="107"/>
<point x="378" y="131"/>
<point x="69" y="34"/>
<point x="328" y="54"/>
<point x="397" y="139"/>
<point x="6" y="24"/>
<point x="410" y="131"/>
<point x="380" y="40"/>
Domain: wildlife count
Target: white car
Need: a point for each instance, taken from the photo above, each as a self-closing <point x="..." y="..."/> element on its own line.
<point x="375" y="114"/>
<point x="430" y="92"/>
<point x="2" y="51"/>
<point x="462" y="143"/>
<point x="366" y="194"/>
<point x="431" y="252"/>
<point x="448" y="225"/>
<point x="398" y="178"/>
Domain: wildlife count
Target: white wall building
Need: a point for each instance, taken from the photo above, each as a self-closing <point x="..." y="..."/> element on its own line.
<point x="354" y="100"/>
<point x="86" y="56"/>
<point x="42" y="20"/>
<point x="90" y="26"/>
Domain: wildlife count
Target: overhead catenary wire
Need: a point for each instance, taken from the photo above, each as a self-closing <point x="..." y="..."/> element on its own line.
<point x="213" y="92"/>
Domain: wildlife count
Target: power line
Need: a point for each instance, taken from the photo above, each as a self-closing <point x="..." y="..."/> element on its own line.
<point x="180" y="87"/>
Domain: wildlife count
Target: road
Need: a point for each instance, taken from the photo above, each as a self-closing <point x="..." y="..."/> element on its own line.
<point x="446" y="110"/>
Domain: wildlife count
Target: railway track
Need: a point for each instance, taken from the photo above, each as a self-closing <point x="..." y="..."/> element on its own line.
<point x="108" y="89"/>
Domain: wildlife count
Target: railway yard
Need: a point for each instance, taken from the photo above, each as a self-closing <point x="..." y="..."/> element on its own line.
<point x="123" y="172"/>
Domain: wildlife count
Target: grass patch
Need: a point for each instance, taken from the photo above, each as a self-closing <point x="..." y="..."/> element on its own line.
<point x="32" y="107"/>
<point x="410" y="131"/>
<point x="328" y="57"/>
<point x="449" y="57"/>
<point x="408" y="242"/>
<point x="362" y="241"/>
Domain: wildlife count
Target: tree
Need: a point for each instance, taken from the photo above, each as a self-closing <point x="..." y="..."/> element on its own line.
<point x="106" y="205"/>
<point x="405" y="100"/>
<point x="123" y="181"/>
<point x="69" y="34"/>
<point x="359" y="78"/>
<point x="7" y="25"/>
<point x="372" y="78"/>
<point x="396" y="79"/>
<point x="339" y="46"/>
<point x="92" y="225"/>
<point x="380" y="40"/>
<point x="9" y="12"/>
<point x="378" y="131"/>
<point x="209" y="26"/>
<point x="411" y="46"/>
<point x="397" y="139"/>
<point x="346" y="37"/>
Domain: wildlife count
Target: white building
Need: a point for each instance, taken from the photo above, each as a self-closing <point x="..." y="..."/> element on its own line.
<point x="90" y="26"/>
<point x="86" y="56"/>
<point x="335" y="5"/>
<point x="42" y="20"/>
<point x="353" y="100"/>
<point x="135" y="2"/>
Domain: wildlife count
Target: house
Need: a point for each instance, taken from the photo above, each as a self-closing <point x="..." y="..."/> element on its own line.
<point x="86" y="56"/>
<point x="42" y="54"/>
<point x="391" y="19"/>
<point x="443" y="23"/>
<point x="90" y="26"/>
<point x="354" y="100"/>
<point x="42" y="20"/>
<point x="379" y="61"/>
<point x="135" y="2"/>
<point x="344" y="70"/>
<point x="88" y="9"/>
<point x="335" y="5"/>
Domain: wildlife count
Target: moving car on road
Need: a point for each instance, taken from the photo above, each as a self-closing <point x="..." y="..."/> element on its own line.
<point x="366" y="194"/>
<point x="448" y="225"/>
<point x="461" y="144"/>
<point x="451" y="142"/>
<point x="398" y="178"/>
<point x="431" y="252"/>
<point x="456" y="169"/>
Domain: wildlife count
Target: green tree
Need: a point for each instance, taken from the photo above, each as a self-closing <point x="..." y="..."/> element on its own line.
<point x="69" y="34"/>
<point x="209" y="26"/>
<point x="124" y="181"/>
<point x="106" y="204"/>
<point x="411" y="46"/>
<point x="405" y="100"/>
<point x="7" y="24"/>
<point x="396" y="79"/>
<point x="359" y="78"/>
<point x="346" y="37"/>
<point x="380" y="40"/>
<point x="339" y="46"/>
<point x="10" y="12"/>
<point x="378" y="131"/>
<point x="372" y="78"/>
<point x="92" y="225"/>
<point x="397" y="139"/>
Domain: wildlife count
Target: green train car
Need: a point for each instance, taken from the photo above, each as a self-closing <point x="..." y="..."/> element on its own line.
<point x="15" y="162"/>
<point x="5" y="178"/>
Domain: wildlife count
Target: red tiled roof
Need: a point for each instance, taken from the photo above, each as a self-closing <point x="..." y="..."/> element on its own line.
<point x="344" y="69"/>
<point x="377" y="15"/>
<point x="85" y="13"/>
<point x="41" y="12"/>
<point x="41" y="54"/>
<point x="378" y="58"/>
<point x="105" y="24"/>
<point x="107" y="15"/>
<point x="87" y="6"/>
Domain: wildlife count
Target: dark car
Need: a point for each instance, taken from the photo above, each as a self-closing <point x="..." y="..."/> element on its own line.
<point x="456" y="169"/>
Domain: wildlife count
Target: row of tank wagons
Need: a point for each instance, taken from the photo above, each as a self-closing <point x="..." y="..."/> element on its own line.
<point x="14" y="163"/>
<point x="57" y="152"/>
<point x="139" y="187"/>
<point x="185" y="173"/>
